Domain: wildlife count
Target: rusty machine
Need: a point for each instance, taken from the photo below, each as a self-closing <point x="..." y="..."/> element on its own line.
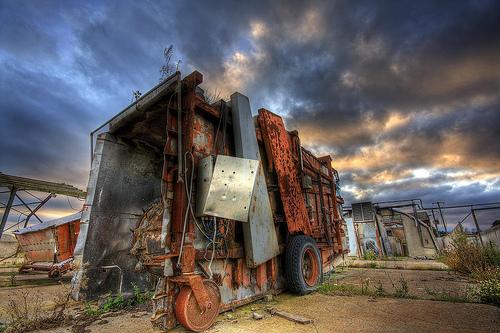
<point x="205" y="203"/>
<point x="49" y="246"/>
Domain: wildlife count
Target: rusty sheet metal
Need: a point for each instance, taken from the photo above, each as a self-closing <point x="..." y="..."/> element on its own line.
<point x="38" y="246"/>
<point x="203" y="136"/>
<point x="51" y="241"/>
<point x="277" y="144"/>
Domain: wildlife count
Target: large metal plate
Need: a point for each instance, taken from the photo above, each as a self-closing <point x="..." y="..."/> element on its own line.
<point x="230" y="192"/>
<point x="259" y="234"/>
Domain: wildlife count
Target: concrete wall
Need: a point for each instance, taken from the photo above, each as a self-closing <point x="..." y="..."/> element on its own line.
<point x="8" y="245"/>
<point x="416" y="247"/>
<point x="492" y="236"/>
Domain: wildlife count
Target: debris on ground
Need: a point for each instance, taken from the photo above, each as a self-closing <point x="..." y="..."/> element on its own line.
<point x="257" y="316"/>
<point x="289" y="316"/>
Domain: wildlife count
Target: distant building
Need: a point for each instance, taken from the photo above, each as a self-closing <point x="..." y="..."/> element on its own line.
<point x="391" y="232"/>
<point x="492" y="235"/>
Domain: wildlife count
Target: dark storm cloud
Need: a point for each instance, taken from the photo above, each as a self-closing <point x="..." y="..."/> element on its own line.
<point x="39" y="133"/>
<point x="387" y="87"/>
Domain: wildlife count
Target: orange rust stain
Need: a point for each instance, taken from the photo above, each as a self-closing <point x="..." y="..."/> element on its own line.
<point x="261" y="276"/>
<point x="278" y="143"/>
<point x="271" y="268"/>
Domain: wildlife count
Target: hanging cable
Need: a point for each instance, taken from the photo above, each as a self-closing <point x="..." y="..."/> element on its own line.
<point x="213" y="249"/>
<point x="188" y="193"/>
<point x="69" y="203"/>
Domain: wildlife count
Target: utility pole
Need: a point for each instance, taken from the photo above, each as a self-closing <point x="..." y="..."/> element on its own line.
<point x="477" y="226"/>
<point x="442" y="217"/>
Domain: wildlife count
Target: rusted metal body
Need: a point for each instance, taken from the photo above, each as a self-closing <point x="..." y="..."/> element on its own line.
<point x="49" y="246"/>
<point x="170" y="245"/>
<point x="307" y="185"/>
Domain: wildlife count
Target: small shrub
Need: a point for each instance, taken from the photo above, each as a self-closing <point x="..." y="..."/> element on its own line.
<point x="401" y="290"/>
<point x="470" y="258"/>
<point x="113" y="303"/>
<point x="140" y="297"/>
<point x="369" y="255"/>
<point x="92" y="311"/>
<point x="365" y="287"/>
<point x="489" y="289"/>
<point x="379" y="290"/>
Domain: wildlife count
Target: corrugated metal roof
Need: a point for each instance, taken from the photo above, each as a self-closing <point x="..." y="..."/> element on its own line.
<point x="23" y="183"/>
<point x="49" y="224"/>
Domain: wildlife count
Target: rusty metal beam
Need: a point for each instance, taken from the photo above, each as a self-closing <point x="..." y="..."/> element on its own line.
<point x="277" y="142"/>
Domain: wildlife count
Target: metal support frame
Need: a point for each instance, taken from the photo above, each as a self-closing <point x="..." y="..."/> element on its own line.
<point x="16" y="184"/>
<point x="40" y="205"/>
<point x="27" y="206"/>
<point x="6" y="212"/>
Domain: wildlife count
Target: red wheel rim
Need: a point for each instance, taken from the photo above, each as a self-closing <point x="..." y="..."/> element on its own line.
<point x="189" y="314"/>
<point x="310" y="267"/>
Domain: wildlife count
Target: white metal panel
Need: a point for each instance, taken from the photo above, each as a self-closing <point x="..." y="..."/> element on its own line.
<point x="230" y="192"/>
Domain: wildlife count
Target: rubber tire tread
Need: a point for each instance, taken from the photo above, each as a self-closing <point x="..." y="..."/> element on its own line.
<point x="293" y="270"/>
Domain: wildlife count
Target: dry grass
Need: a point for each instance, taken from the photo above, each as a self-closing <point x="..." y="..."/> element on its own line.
<point x="481" y="263"/>
<point x="29" y="311"/>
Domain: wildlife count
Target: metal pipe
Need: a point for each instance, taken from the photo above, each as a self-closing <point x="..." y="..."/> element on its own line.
<point x="486" y="208"/>
<point x="425" y="225"/>
<point x="467" y="205"/>
<point x="179" y="129"/>
<point x="121" y="274"/>
<point x="442" y="217"/>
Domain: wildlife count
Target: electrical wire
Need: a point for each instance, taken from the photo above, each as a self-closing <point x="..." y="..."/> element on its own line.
<point x="69" y="203"/>
<point x="215" y="148"/>
<point x="188" y="193"/>
<point x="213" y="249"/>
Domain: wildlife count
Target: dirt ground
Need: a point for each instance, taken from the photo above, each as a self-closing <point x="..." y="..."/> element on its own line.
<point x="422" y="284"/>
<point x="335" y="314"/>
<point x="13" y="284"/>
<point x="338" y="313"/>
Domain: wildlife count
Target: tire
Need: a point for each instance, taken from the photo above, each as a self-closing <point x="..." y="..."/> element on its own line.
<point x="303" y="265"/>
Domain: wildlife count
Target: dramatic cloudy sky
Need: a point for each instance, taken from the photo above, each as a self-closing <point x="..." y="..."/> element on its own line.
<point x="403" y="94"/>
